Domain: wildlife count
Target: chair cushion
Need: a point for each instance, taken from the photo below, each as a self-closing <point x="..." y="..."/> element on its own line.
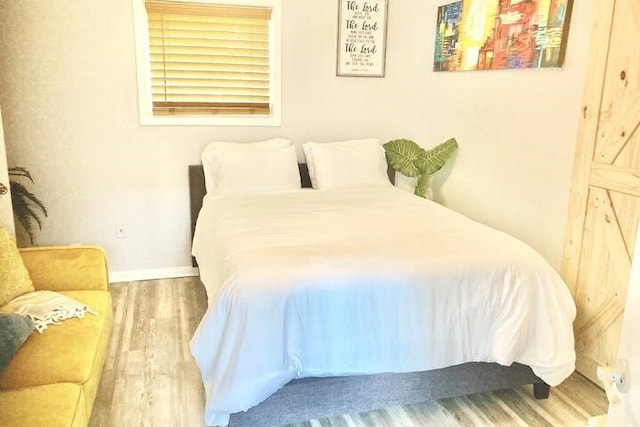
<point x="53" y="405"/>
<point x="14" y="277"/>
<point x="62" y="353"/>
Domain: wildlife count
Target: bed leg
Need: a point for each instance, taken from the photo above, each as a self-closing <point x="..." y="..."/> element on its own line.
<point x="541" y="390"/>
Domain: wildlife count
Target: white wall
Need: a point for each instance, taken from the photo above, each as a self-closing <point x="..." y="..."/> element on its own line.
<point x="68" y="90"/>
<point x="6" y="211"/>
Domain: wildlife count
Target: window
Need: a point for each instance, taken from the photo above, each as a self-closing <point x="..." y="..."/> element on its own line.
<point x="208" y="63"/>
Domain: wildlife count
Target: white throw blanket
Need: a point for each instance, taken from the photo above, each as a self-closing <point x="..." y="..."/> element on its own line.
<point x="46" y="308"/>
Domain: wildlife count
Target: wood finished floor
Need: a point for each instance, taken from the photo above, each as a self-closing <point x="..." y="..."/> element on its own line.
<point x="150" y="378"/>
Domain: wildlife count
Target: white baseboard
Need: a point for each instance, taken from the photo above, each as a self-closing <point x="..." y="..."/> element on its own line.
<point x="152" y="274"/>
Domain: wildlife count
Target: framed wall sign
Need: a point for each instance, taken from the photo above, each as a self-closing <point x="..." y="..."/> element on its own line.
<point x="362" y="38"/>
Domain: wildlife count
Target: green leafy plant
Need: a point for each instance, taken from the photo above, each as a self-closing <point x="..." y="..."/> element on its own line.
<point x="27" y="207"/>
<point x="408" y="158"/>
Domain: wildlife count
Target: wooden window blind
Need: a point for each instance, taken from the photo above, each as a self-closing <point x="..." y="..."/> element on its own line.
<point x="209" y="59"/>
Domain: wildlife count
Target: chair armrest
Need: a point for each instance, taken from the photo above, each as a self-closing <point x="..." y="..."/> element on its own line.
<point x="67" y="268"/>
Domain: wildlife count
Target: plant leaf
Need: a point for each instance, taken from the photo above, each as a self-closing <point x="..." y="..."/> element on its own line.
<point x="20" y="195"/>
<point x="23" y="214"/>
<point x="20" y="171"/>
<point x="26" y="205"/>
<point x="436" y="157"/>
<point x="422" y="185"/>
<point x="404" y="156"/>
<point x="34" y="200"/>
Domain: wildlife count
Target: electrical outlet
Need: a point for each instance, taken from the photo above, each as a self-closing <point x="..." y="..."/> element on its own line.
<point x="121" y="231"/>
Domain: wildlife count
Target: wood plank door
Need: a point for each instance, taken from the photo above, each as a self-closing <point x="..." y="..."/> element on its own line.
<point x="605" y="197"/>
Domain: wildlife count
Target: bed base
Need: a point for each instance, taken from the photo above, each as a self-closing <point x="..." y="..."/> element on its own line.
<point x="311" y="398"/>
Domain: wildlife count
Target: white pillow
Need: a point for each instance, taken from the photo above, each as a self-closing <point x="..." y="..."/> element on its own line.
<point x="257" y="171"/>
<point x="210" y="151"/>
<point x="346" y="164"/>
<point x="308" y="153"/>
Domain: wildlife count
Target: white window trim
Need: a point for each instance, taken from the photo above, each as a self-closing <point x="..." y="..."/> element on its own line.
<point x="143" y="61"/>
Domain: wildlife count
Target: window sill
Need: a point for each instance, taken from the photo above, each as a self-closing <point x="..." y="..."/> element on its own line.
<point x="273" y="120"/>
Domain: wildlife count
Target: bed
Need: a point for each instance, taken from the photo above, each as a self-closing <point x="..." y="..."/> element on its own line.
<point x="329" y="302"/>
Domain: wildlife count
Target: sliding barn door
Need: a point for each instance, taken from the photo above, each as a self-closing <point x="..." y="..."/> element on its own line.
<point x="605" y="196"/>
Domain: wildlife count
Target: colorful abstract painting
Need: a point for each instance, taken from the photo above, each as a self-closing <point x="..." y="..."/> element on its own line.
<point x="499" y="34"/>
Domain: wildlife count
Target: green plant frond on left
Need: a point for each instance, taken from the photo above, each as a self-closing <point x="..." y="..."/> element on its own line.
<point x="19" y="171"/>
<point x="404" y="156"/>
<point x="27" y="207"/>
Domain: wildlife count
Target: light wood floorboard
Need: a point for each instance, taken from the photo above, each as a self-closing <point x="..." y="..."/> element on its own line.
<point x="150" y="378"/>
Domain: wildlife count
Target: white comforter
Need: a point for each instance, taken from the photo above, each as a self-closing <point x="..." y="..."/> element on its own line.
<point x="324" y="283"/>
